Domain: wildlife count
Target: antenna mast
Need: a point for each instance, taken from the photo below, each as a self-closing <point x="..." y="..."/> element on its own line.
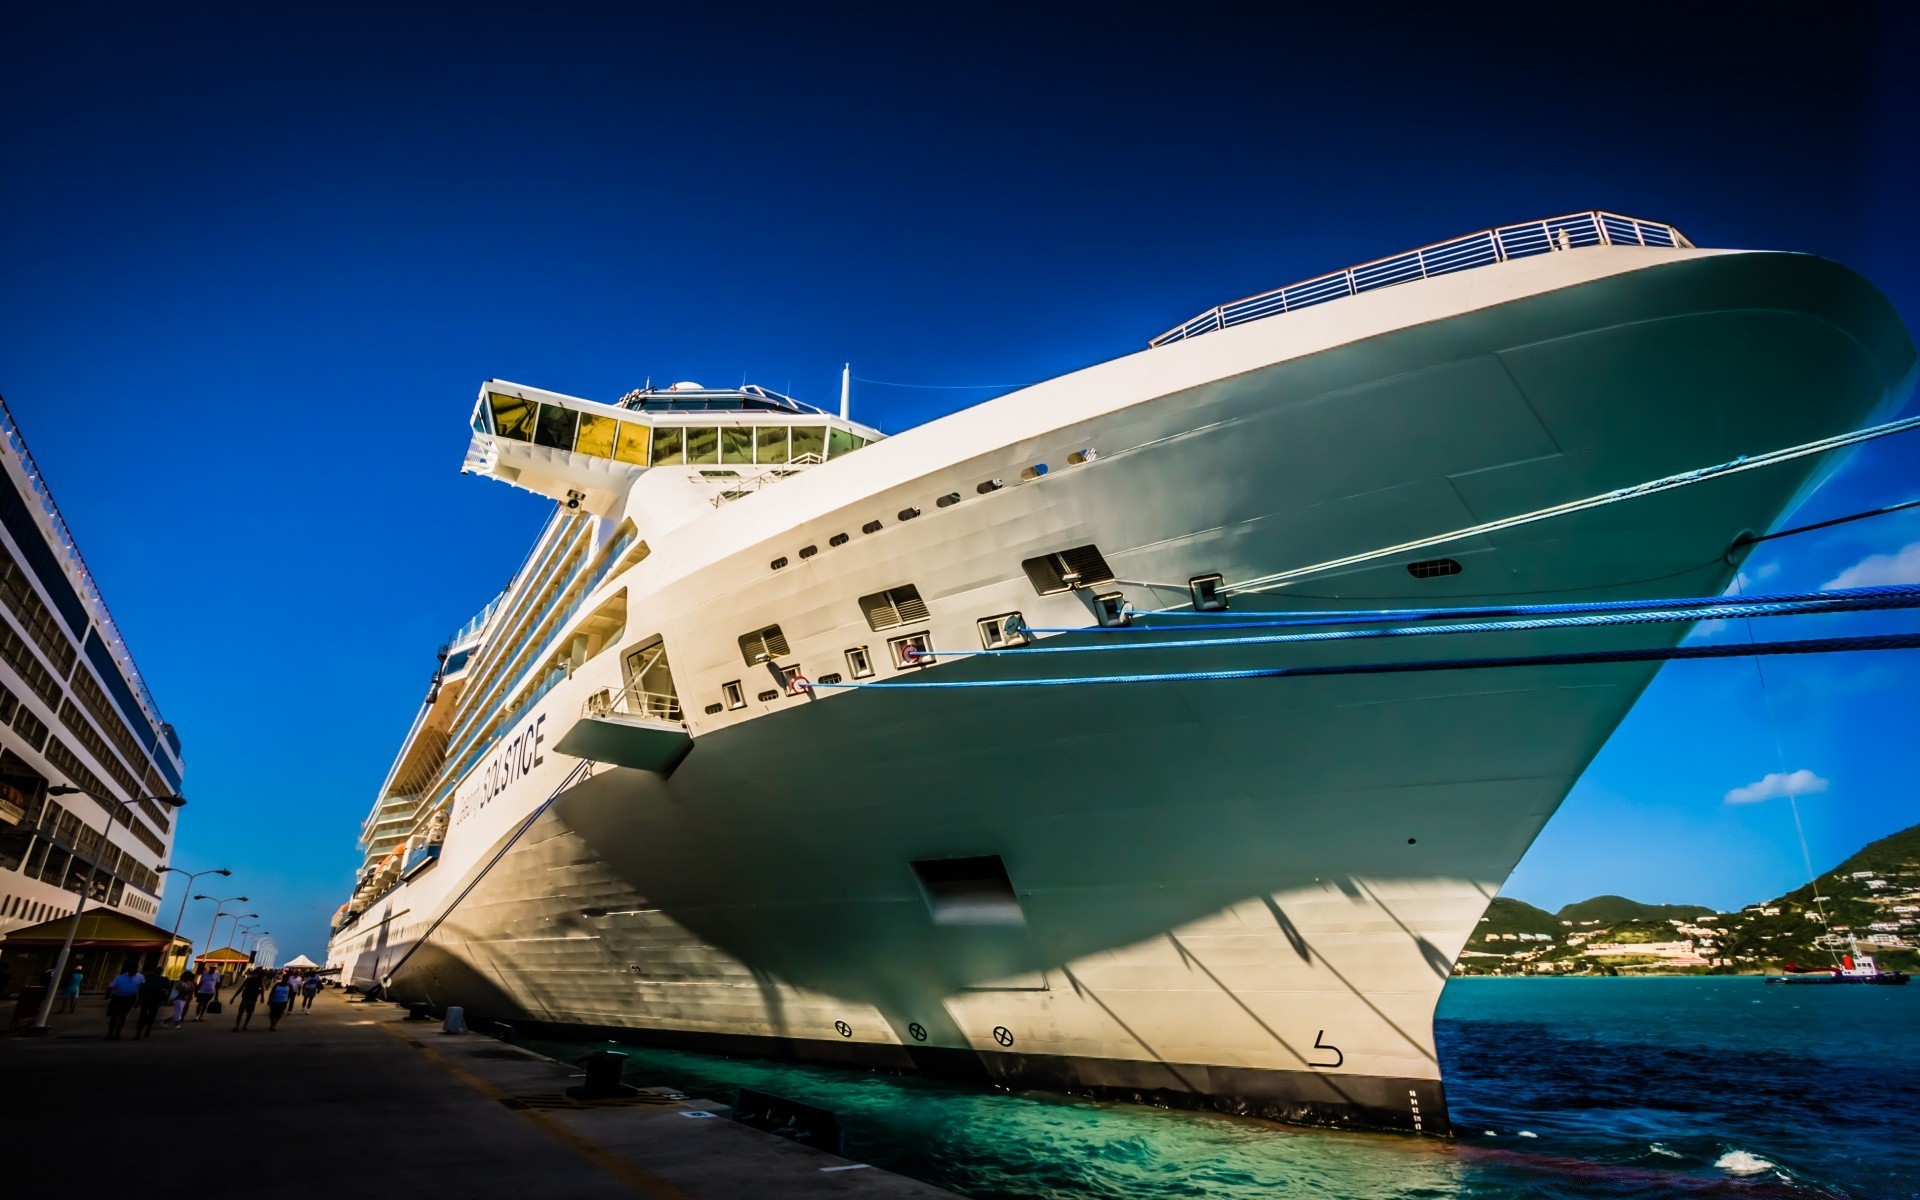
<point x="846" y="389"/>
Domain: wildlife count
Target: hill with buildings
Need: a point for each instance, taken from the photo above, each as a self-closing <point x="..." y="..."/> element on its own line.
<point x="1872" y="901"/>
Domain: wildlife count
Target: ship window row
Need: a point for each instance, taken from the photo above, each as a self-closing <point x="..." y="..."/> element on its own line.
<point x="647" y="445"/>
<point x="517" y="623"/>
<point x="68" y="763"/>
<point x="16" y="591"/>
<point x="96" y="745"/>
<point x="94" y="699"/>
<point x="18" y="655"/>
<point x="59" y="830"/>
<point x="30" y="727"/>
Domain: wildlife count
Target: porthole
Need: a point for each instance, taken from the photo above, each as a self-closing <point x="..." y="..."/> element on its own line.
<point x="767" y="697"/>
<point x="838" y="539"/>
<point x="809" y="551"/>
<point x="870" y="527"/>
<point x="778" y="563"/>
<point x="1433" y="568"/>
<point x="948" y="500"/>
<point x="712" y="709"/>
<point x="908" y="514"/>
<point x="990" y="486"/>
<point x="1081" y="456"/>
<point x="831" y="677"/>
<point x="1034" y="472"/>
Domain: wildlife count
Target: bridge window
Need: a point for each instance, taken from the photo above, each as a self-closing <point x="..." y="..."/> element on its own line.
<point x="556" y="427"/>
<point x="512" y="416"/>
<point x="770" y="444"/>
<point x="596" y="436"/>
<point x="843" y="441"/>
<point x="703" y="445"/>
<point x="667" y="445"/>
<point x="636" y="441"/>
<point x="736" y="444"/>
<point x="809" y="440"/>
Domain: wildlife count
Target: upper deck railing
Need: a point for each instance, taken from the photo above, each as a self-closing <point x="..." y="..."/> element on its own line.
<point x="65" y="545"/>
<point x="1480" y="249"/>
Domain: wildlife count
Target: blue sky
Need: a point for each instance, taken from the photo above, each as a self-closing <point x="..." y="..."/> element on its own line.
<point x="254" y="261"/>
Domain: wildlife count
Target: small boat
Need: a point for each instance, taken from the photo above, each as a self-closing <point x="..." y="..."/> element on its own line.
<point x="1854" y="968"/>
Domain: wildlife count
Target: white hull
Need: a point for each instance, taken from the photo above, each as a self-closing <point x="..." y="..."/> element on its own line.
<point x="1241" y="894"/>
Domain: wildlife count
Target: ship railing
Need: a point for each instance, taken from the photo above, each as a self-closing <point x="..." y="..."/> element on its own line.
<point x="632" y="701"/>
<point x="1482" y="249"/>
<point x="738" y="488"/>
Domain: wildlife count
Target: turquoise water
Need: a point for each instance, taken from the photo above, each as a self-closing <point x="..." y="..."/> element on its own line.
<point x="1572" y="1088"/>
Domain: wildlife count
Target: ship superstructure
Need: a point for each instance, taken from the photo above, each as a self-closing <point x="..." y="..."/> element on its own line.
<point x="74" y="711"/>
<point x="660" y="786"/>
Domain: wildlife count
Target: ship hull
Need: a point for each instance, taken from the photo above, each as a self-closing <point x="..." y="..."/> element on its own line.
<point x="1238" y="894"/>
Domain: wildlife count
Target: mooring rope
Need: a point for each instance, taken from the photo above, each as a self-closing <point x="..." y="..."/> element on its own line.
<point x="1853" y="600"/>
<point x="1829" y="645"/>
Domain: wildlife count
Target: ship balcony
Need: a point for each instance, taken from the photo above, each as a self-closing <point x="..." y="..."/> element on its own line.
<point x="630" y="728"/>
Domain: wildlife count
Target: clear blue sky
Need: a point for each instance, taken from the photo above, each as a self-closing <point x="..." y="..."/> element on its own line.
<point x="255" y="259"/>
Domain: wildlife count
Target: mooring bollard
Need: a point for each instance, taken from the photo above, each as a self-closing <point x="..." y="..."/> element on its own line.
<point x="456" y="1021"/>
<point x="603" y="1077"/>
<point x="419" y="1012"/>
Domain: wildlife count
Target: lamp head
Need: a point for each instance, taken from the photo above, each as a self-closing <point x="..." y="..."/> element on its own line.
<point x="62" y="789"/>
<point x="222" y="871"/>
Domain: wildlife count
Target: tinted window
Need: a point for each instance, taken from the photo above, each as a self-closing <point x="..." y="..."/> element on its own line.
<point x="666" y="444"/>
<point x="596" y="436"/>
<point x="556" y="427"/>
<point x="703" y="445"/>
<point x="512" y="416"/>
<point x="634" y="443"/>
<point x="736" y="444"/>
<point x="809" y="439"/>
<point x="771" y="443"/>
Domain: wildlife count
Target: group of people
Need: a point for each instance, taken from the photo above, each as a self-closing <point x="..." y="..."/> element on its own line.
<point x="133" y="989"/>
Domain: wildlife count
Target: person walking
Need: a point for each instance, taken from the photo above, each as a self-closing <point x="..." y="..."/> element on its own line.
<point x="277" y="1000"/>
<point x="70" y="990"/>
<point x="122" y="993"/>
<point x="182" y="996"/>
<point x="249" y="997"/>
<point x="308" y="990"/>
<point x="207" y="989"/>
<point x="154" y="993"/>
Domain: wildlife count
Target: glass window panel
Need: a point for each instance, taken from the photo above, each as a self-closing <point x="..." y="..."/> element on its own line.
<point x="736" y="443"/>
<point x="839" y="441"/>
<point x="556" y="427"/>
<point x="512" y="416"/>
<point x="596" y="436"/>
<point x="635" y="443"/>
<point x="858" y="441"/>
<point x="771" y="444"/>
<point x="666" y="444"/>
<point x="703" y="444"/>
<point x="809" y="439"/>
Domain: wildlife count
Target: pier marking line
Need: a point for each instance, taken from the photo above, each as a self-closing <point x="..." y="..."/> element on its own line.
<point x="641" y="1180"/>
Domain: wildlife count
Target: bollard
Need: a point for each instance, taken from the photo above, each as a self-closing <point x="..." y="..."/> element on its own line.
<point x="419" y="1012"/>
<point x="603" y="1077"/>
<point x="456" y="1021"/>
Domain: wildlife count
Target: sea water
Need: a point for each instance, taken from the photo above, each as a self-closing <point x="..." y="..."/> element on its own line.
<point x="1559" y="1088"/>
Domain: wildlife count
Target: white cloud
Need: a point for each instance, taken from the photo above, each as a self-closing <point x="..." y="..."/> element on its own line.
<point x="1800" y="783"/>
<point x="1881" y="570"/>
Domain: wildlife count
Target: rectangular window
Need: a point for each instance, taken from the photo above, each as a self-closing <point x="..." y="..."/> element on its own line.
<point x="736" y="443"/>
<point x="635" y="443"/>
<point x="840" y="441"/>
<point x="770" y="444"/>
<point x="703" y="444"/>
<point x="914" y="650"/>
<point x="596" y="436"/>
<point x="556" y="427"/>
<point x="31" y="728"/>
<point x="1007" y="629"/>
<point x="512" y="416"/>
<point x="809" y="443"/>
<point x="1079" y="567"/>
<point x="666" y="445"/>
<point x="736" y="696"/>
<point x="763" y="644"/>
<point x="893" y="608"/>
<point x="859" y="662"/>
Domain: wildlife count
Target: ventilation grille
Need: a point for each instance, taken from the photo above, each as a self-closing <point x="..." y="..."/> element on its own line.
<point x="1433" y="568"/>
<point x="1081" y="566"/>
<point x="763" y="644"/>
<point x="894" y="607"/>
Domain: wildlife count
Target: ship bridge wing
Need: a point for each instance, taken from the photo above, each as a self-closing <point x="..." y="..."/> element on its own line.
<point x="586" y="454"/>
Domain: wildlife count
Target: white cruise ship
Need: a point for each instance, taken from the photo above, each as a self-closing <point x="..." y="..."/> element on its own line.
<point x="665" y="787"/>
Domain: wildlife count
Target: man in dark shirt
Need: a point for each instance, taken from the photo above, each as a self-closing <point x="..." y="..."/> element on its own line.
<point x="153" y="995"/>
<point x="249" y="996"/>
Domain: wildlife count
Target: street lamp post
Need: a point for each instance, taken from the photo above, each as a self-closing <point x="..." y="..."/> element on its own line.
<point x="237" y="918"/>
<point x="181" y="915"/>
<point x="40" y="1023"/>
<point x="217" y="914"/>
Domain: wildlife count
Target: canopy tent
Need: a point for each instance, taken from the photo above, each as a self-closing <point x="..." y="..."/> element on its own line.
<point x="301" y="962"/>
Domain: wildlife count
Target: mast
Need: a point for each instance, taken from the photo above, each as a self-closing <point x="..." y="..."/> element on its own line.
<point x="846" y="388"/>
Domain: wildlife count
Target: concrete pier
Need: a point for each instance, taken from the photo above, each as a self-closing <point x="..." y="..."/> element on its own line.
<point x="353" y="1099"/>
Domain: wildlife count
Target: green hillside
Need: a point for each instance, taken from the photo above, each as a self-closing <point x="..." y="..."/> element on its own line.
<point x="1516" y="916"/>
<point x="1611" y="909"/>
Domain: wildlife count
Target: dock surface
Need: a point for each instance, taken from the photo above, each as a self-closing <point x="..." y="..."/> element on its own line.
<point x="354" y="1097"/>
